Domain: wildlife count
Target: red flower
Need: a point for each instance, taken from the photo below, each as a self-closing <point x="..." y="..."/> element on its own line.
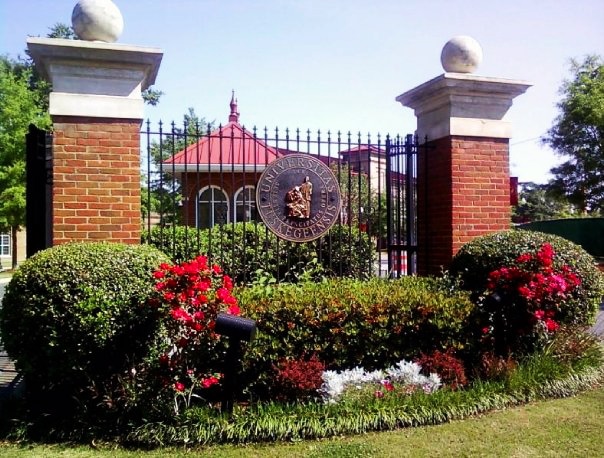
<point x="209" y="381"/>
<point x="525" y="257"/>
<point x="227" y="282"/>
<point x="551" y="325"/>
<point x="164" y="360"/>
<point x="525" y="292"/>
<point x="234" y="310"/>
<point x="159" y="274"/>
<point x="178" y="386"/>
<point x="182" y="342"/>
<point x="180" y="314"/>
<point x="222" y="294"/>
<point x="539" y="314"/>
<point x="388" y="385"/>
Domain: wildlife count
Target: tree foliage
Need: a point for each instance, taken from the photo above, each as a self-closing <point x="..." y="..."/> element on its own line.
<point x="22" y="104"/>
<point x="362" y="206"/>
<point x="162" y="191"/>
<point x="538" y="203"/>
<point x="578" y="135"/>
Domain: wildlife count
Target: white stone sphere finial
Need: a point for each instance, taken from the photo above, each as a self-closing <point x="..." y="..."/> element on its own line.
<point x="461" y="54"/>
<point x="97" y="20"/>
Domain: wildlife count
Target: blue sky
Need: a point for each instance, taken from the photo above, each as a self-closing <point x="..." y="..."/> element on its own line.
<point x="339" y="64"/>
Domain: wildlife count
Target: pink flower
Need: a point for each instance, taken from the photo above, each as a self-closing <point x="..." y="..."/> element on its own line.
<point x="379" y="394"/>
<point x="178" y="386"/>
<point x="539" y="314"/>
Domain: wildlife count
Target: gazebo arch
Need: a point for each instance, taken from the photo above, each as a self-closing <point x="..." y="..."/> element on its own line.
<point x="244" y="202"/>
<point x="212" y="207"/>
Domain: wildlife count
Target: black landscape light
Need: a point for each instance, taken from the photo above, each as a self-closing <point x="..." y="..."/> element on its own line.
<point x="237" y="329"/>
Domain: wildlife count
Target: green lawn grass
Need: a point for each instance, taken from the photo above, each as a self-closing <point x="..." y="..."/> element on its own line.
<point x="560" y="427"/>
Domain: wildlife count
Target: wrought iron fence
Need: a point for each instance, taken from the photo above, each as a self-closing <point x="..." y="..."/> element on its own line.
<point x="200" y="197"/>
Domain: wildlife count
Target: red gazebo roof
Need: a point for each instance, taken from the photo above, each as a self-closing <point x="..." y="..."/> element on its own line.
<point x="228" y="148"/>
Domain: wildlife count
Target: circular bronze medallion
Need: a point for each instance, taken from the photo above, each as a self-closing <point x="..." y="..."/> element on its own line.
<point x="298" y="197"/>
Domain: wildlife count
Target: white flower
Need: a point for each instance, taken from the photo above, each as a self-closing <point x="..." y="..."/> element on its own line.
<point x="335" y="383"/>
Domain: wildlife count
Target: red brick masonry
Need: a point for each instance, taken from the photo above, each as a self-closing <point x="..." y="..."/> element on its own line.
<point x="463" y="192"/>
<point x="96" y="179"/>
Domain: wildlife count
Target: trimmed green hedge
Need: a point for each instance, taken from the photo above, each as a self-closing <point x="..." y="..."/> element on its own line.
<point x="243" y="249"/>
<point x="349" y="323"/>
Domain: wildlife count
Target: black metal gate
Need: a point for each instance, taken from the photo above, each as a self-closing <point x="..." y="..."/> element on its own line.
<point x="197" y="177"/>
<point x="401" y="207"/>
<point x="38" y="213"/>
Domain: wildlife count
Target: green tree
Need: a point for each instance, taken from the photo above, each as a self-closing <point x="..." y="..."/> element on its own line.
<point x="537" y="202"/>
<point x="362" y="206"/>
<point x="161" y="192"/>
<point x="578" y="134"/>
<point x="60" y="30"/>
<point x="20" y="107"/>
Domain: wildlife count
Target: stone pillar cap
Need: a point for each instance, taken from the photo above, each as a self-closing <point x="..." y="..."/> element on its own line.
<point x="46" y="50"/>
<point x="463" y="104"/>
<point x="102" y="80"/>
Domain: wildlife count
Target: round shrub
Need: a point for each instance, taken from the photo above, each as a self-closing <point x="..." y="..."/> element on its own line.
<point x="483" y="255"/>
<point x="73" y="315"/>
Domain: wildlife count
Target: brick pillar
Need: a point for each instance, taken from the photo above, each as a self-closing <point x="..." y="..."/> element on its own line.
<point x="96" y="109"/>
<point x="463" y="170"/>
<point x="96" y="179"/>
